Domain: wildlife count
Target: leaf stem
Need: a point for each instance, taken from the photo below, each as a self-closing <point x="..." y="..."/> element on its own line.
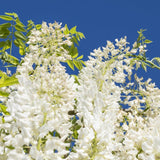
<point x="11" y="38"/>
<point x="152" y="64"/>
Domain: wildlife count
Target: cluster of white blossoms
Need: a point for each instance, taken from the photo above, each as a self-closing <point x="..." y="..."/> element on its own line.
<point x="117" y="112"/>
<point x="39" y="122"/>
<point x="119" y="117"/>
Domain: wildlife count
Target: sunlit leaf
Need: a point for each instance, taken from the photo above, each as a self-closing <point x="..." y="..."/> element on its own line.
<point x="19" y="23"/>
<point x="8" y="81"/>
<point x="4" y="32"/>
<point x="73" y="30"/>
<point x="9" y="59"/>
<point x="20" y="35"/>
<point x="7" y="18"/>
<point x="74" y="40"/>
<point x="73" y="51"/>
<point x="38" y="26"/>
<point x="75" y="55"/>
<point x="78" y="64"/>
<point x="80" y="57"/>
<point x="4" y="94"/>
<point x="6" y="45"/>
<point x="83" y="62"/>
<point x="3" y="109"/>
<point x="66" y="31"/>
<point x="18" y="42"/>
<point x="12" y="14"/>
<point x="147" y="41"/>
<point x="76" y="79"/>
<point x="81" y="35"/>
<point x="2" y="44"/>
<point x="19" y="28"/>
<point x="144" y="66"/>
<point x="21" y="50"/>
<point x="30" y="25"/>
<point x="5" y="25"/>
<point x="70" y="64"/>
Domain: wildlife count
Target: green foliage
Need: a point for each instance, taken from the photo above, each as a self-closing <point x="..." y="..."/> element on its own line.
<point x="3" y="109"/>
<point x="73" y="50"/>
<point x="6" y="18"/>
<point x="4" y="94"/>
<point x="142" y="41"/>
<point x="6" y="80"/>
<point x="20" y="35"/>
<point x="70" y="64"/>
<point x="75" y="127"/>
<point x="14" y="32"/>
<point x="5" y="57"/>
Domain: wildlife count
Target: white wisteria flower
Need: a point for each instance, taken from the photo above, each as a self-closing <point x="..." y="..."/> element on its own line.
<point x="39" y="123"/>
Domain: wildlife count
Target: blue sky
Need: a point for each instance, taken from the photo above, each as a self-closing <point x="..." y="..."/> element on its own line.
<point x="99" y="20"/>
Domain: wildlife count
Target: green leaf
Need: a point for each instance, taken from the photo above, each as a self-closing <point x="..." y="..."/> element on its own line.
<point x="38" y="26"/>
<point x="3" y="109"/>
<point x="74" y="120"/>
<point x="2" y="44"/>
<point x="6" y="45"/>
<point x="66" y="31"/>
<point x="73" y="30"/>
<point x="74" y="40"/>
<point x="144" y="66"/>
<point x="12" y="60"/>
<point x="75" y="55"/>
<point x="10" y="147"/>
<point x="4" y="32"/>
<point x="18" y="42"/>
<point x="9" y="59"/>
<point x="12" y="14"/>
<point x="20" y="35"/>
<point x="8" y="81"/>
<point x="29" y="32"/>
<point x="21" y="50"/>
<point x="78" y="64"/>
<point x="19" y="23"/>
<point x="70" y="64"/>
<point x="5" y="25"/>
<point x="75" y="134"/>
<point x="77" y="127"/>
<point x="80" y="57"/>
<point x="19" y="28"/>
<point x="76" y="79"/>
<point x="82" y="62"/>
<point x="81" y="35"/>
<point x="147" y="41"/>
<point x="30" y="22"/>
<point x="30" y="25"/>
<point x="4" y="94"/>
<point x="73" y="51"/>
<point x="2" y="74"/>
<point x="7" y="18"/>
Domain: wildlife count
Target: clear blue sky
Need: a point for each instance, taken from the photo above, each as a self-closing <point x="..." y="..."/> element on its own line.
<point x="99" y="20"/>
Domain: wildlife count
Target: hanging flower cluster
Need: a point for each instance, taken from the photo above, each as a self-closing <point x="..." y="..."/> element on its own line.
<point x="105" y="113"/>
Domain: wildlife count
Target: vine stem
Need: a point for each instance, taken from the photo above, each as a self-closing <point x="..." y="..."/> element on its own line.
<point x="152" y="64"/>
<point x="11" y="38"/>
